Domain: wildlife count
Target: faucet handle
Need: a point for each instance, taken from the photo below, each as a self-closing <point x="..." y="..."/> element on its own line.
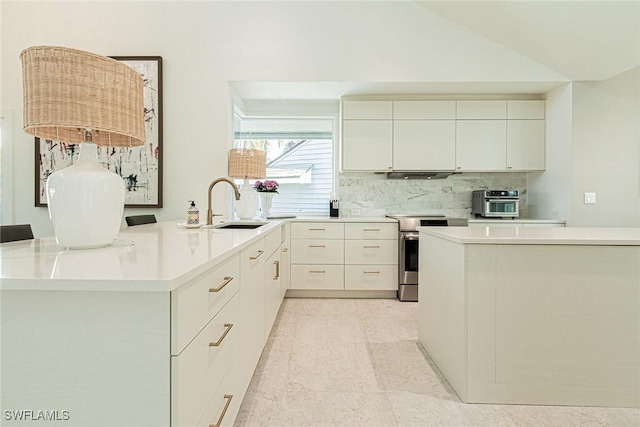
<point x="215" y="214"/>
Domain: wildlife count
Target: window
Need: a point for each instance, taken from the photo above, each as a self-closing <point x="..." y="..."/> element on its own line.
<point x="299" y="157"/>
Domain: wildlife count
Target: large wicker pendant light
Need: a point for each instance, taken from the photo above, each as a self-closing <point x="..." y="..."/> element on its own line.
<point x="78" y="97"/>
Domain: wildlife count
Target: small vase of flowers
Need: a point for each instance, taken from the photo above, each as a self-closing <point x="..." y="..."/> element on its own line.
<point x="266" y="186"/>
<point x="266" y="190"/>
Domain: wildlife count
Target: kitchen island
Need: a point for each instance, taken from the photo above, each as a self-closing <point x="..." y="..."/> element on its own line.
<point x="162" y="328"/>
<point x="545" y="316"/>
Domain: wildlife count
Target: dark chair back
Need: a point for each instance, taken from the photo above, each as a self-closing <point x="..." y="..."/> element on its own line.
<point x="140" y="219"/>
<point x="13" y="233"/>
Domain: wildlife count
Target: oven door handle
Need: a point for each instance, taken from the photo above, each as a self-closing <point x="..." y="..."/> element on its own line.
<point x="409" y="236"/>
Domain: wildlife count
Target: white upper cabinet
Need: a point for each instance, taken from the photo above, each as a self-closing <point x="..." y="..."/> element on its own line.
<point x="367" y="136"/>
<point x="525" y="110"/>
<point x="525" y="145"/>
<point x="481" y="110"/>
<point x="481" y="145"/>
<point x="443" y="135"/>
<point x="367" y="145"/>
<point x="367" y="110"/>
<point x="424" y="135"/>
<point x="420" y="145"/>
<point x="424" y="110"/>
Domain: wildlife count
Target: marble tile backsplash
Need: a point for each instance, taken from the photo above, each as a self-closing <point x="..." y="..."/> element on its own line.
<point x="375" y="195"/>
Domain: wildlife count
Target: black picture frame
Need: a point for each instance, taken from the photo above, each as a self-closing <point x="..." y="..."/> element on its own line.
<point x="143" y="164"/>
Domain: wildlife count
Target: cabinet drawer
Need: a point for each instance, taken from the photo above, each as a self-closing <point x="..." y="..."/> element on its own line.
<point x="317" y="251"/>
<point x="317" y="230"/>
<point x="198" y="371"/>
<point x="371" y="231"/>
<point x="272" y="242"/>
<point x="317" y="276"/>
<point x="372" y="278"/>
<point x="225" y="402"/>
<point x="371" y="252"/>
<point x="195" y="303"/>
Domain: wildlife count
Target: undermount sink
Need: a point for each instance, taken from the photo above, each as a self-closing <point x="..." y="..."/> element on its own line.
<point x="245" y="225"/>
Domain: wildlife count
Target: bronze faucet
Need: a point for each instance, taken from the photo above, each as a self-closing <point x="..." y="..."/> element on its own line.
<point x="210" y="213"/>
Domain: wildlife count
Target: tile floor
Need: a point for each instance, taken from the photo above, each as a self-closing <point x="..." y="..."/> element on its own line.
<point x="357" y="362"/>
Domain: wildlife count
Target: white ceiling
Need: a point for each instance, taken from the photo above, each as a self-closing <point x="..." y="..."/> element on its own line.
<point x="583" y="40"/>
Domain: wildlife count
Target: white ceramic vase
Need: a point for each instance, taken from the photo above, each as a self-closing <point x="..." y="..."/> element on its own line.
<point x="266" y="200"/>
<point x="247" y="206"/>
<point x="86" y="202"/>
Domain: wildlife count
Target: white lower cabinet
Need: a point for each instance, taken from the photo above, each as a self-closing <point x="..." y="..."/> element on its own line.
<point x="317" y="277"/>
<point x="371" y="277"/>
<point x="272" y="290"/>
<point x="226" y="400"/>
<point x="344" y="256"/>
<point x="198" y="371"/>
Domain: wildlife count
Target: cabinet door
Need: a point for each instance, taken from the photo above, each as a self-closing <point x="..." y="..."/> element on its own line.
<point x="424" y="145"/>
<point x="478" y="110"/>
<point x="367" y="145"/>
<point x="252" y="305"/>
<point x="424" y="110"/>
<point x="530" y="109"/>
<point x="481" y="145"/>
<point x="272" y="291"/>
<point x="525" y="145"/>
<point x="371" y="110"/>
<point x="285" y="265"/>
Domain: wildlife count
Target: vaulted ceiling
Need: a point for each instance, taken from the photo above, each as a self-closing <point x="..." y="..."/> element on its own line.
<point x="583" y="40"/>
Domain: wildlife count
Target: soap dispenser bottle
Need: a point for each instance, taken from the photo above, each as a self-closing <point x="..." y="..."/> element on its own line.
<point x="193" y="214"/>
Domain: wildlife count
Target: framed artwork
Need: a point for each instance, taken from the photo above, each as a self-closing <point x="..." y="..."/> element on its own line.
<point x="140" y="167"/>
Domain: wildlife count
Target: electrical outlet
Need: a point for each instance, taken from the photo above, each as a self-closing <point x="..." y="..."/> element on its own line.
<point x="589" y="198"/>
<point x="356" y="212"/>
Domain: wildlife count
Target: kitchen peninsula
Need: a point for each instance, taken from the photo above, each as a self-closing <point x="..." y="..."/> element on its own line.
<point x="533" y="315"/>
<point x="162" y="328"/>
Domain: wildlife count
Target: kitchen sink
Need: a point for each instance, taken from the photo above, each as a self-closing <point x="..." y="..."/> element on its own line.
<point x="240" y="225"/>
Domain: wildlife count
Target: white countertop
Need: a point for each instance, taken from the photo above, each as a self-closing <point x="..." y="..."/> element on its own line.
<point x="537" y="236"/>
<point x="151" y="257"/>
<point x="516" y="220"/>
<point x="343" y="219"/>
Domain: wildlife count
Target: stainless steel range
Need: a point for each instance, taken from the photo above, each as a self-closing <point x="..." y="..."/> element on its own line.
<point x="408" y="248"/>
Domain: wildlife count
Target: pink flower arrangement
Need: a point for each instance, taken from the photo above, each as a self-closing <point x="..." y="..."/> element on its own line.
<point x="266" y="186"/>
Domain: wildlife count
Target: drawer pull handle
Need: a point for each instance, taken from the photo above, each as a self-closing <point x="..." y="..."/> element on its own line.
<point x="217" y="343"/>
<point x="226" y="281"/>
<point x="257" y="256"/>
<point x="228" y="398"/>
<point x="372" y="246"/>
<point x="285" y="249"/>
<point x="277" y="264"/>
<point x="317" y="271"/>
<point x="316" y="246"/>
<point x="316" y="229"/>
<point x="371" y="229"/>
<point x="371" y="272"/>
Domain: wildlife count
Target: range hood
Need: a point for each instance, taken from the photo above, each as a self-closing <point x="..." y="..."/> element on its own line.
<point x="418" y="175"/>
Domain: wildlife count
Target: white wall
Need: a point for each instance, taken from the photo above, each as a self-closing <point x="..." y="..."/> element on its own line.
<point x="207" y="44"/>
<point x="549" y="192"/>
<point x="606" y="151"/>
